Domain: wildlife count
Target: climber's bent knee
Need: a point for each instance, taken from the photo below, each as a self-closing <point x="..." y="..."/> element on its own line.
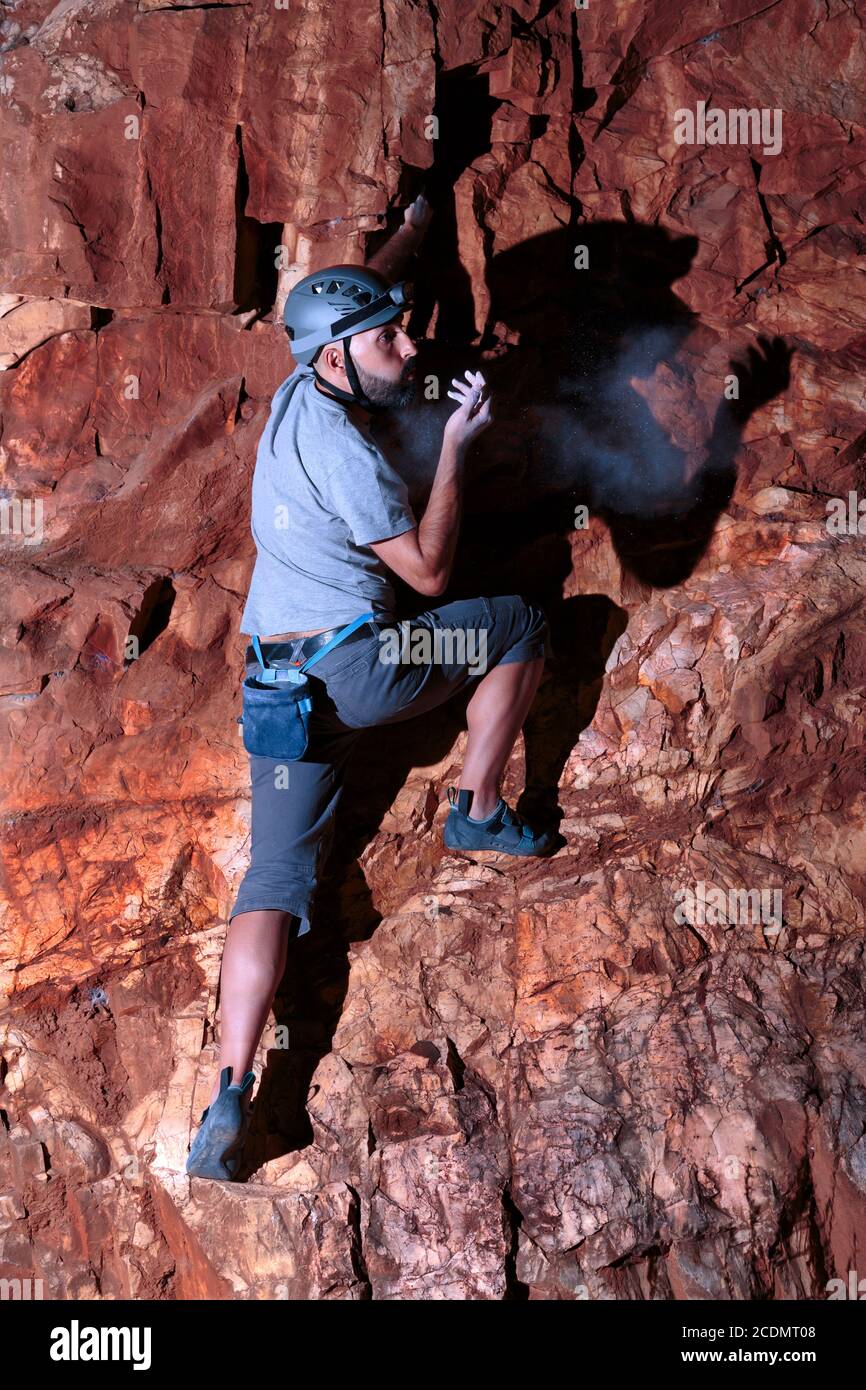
<point x="403" y="669"/>
<point x="527" y="624"/>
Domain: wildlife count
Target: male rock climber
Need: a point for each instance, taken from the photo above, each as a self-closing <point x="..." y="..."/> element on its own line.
<point x="331" y="518"/>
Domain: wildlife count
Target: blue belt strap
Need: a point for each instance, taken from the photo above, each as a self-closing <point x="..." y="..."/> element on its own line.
<point x="274" y="673"/>
<point x="345" y="632"/>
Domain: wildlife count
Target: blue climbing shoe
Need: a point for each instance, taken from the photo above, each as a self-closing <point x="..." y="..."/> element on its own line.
<point x="215" y="1150"/>
<point x="502" y="832"/>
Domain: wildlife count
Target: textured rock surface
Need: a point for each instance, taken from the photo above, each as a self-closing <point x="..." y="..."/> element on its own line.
<point x="536" y="1080"/>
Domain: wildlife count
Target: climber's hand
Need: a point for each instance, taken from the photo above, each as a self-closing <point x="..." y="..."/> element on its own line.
<point x="418" y="214"/>
<point x="474" y="414"/>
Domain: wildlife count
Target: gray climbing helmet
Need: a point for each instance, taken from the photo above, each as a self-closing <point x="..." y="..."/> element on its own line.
<point x="333" y="304"/>
<point x="337" y="302"/>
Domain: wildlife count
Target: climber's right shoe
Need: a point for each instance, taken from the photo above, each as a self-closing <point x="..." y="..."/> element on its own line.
<point x="502" y="832"/>
<point x="215" y="1151"/>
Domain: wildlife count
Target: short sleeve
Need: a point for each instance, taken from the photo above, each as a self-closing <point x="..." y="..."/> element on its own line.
<point x="368" y="494"/>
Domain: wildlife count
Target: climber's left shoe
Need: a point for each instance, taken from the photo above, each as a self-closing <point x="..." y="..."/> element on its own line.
<point x="215" y="1151"/>
<point x="502" y="832"/>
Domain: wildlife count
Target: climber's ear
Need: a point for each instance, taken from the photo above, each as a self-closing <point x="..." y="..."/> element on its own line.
<point x="331" y="357"/>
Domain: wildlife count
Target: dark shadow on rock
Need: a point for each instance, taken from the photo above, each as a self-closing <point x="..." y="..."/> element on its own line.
<point x="662" y="549"/>
<point x="561" y="350"/>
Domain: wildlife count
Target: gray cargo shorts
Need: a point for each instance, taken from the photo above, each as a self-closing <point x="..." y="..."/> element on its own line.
<point x="398" y="670"/>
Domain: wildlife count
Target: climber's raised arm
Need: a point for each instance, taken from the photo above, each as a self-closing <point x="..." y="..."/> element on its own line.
<point x="391" y="258"/>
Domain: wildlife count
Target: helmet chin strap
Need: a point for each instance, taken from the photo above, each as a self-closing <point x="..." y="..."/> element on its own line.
<point x="358" y="396"/>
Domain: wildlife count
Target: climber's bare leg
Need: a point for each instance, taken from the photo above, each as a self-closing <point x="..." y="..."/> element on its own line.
<point x="254" y="958"/>
<point x="495" y="716"/>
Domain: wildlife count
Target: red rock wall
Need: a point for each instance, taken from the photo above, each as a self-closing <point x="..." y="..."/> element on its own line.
<point x="539" y="1082"/>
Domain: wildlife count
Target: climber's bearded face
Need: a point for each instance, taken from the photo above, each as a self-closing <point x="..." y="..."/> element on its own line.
<point x="384" y="359"/>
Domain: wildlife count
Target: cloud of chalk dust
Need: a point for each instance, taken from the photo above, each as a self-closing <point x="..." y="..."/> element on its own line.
<point x="600" y="435"/>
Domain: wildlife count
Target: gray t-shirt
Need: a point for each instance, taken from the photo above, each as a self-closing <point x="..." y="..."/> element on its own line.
<point x="322" y="491"/>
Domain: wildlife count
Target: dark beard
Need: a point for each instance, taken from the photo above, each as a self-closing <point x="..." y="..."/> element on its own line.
<point x="385" y="393"/>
